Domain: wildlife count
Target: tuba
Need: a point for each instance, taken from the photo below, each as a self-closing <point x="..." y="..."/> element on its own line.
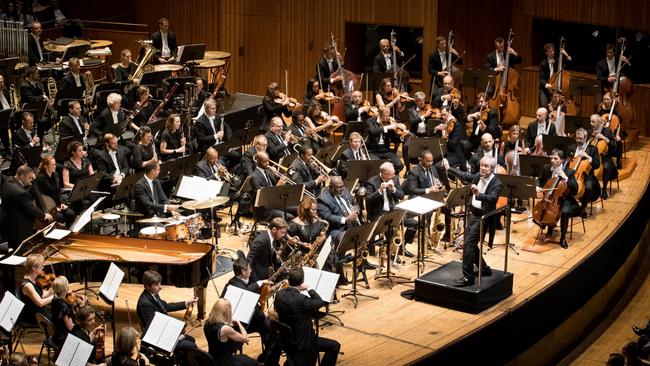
<point x="149" y="51"/>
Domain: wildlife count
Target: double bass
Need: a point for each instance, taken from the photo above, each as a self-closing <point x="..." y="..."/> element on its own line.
<point x="342" y="88"/>
<point x="504" y="99"/>
<point x="560" y="80"/>
<point x="622" y="85"/>
<point x="547" y="211"/>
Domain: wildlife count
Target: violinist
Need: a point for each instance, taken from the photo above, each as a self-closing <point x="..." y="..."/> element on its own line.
<point x="355" y="109"/>
<point x="327" y="66"/>
<point x="383" y="61"/>
<point x="126" y="67"/>
<point x="606" y="68"/>
<point x="597" y="133"/>
<point x="547" y="67"/>
<point x="225" y="335"/>
<point x="378" y="138"/>
<point x="540" y="126"/>
<point x="388" y="97"/>
<point x="484" y="120"/>
<point x="273" y="105"/>
<point x="321" y="123"/>
<point x="604" y="109"/>
<point x="48" y="184"/>
<point x="127" y="349"/>
<point x="439" y="58"/>
<point x="62" y="314"/>
<point x="496" y="60"/>
<point x="587" y="152"/>
<point x="36" y="298"/>
<point x="86" y="330"/>
<point x="419" y="113"/>
<point x="567" y="203"/>
<point x="449" y="97"/>
<point x="557" y="103"/>
<point x="314" y="92"/>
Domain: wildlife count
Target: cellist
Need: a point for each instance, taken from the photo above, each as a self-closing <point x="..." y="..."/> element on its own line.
<point x="589" y="153"/>
<point x="567" y="203"/>
<point x="609" y="169"/>
<point x="604" y="109"/>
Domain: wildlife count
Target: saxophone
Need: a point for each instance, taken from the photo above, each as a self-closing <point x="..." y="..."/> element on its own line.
<point x="309" y="259"/>
<point x="267" y="291"/>
<point x="435" y="232"/>
<point x="15" y="97"/>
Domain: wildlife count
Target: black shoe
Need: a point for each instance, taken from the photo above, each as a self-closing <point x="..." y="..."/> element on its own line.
<point x="408" y="254"/>
<point x="604" y="194"/>
<point x="487" y="272"/>
<point x="499" y="225"/>
<point x="463" y="282"/>
<point x="564" y="244"/>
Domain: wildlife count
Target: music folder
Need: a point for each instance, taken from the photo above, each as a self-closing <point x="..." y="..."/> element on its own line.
<point x="111" y="282"/>
<point x="74" y="352"/>
<point x="163" y="332"/>
<point x="10" y="309"/>
<point x="323" y="282"/>
<point x="242" y="302"/>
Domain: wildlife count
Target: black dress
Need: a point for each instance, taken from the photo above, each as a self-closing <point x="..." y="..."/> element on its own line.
<point x="307" y="233"/>
<point x="76" y="173"/>
<point x="173" y="141"/>
<point x="28" y="315"/>
<point x="78" y="332"/>
<point x="141" y="153"/>
<point x="122" y="73"/>
<point x="223" y="352"/>
<point x="51" y="187"/>
<point x="60" y="309"/>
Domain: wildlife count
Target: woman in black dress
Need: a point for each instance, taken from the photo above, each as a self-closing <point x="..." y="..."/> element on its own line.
<point x="172" y="141"/>
<point x="306" y="226"/>
<point x="77" y="166"/>
<point x="35" y="298"/>
<point x="62" y="314"/>
<point x="86" y="331"/>
<point x="126" y="66"/>
<point x="313" y="92"/>
<point x="127" y="349"/>
<point x="144" y="153"/>
<point x="143" y="99"/>
<point x="273" y="105"/>
<point x="223" y="339"/>
<point x="48" y="184"/>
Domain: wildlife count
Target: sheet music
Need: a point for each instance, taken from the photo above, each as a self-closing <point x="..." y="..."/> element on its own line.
<point x="198" y="188"/>
<point x="323" y="282"/>
<point x="180" y="53"/>
<point x="85" y="216"/>
<point x="163" y="332"/>
<point x="13" y="260"/>
<point x="324" y="253"/>
<point x="243" y="303"/>
<point x="57" y="234"/>
<point x="10" y="309"/>
<point x="111" y="282"/>
<point x="419" y="205"/>
<point x="74" y="352"/>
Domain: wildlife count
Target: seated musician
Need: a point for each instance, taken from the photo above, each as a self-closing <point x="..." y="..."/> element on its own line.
<point x="73" y="78"/>
<point x="144" y="153"/>
<point x="383" y="61"/>
<point x="74" y="124"/>
<point x="567" y="203"/>
<point x="354" y="152"/>
<point x="126" y="67"/>
<point x="296" y="310"/>
<point x="146" y="107"/>
<point x="113" y="159"/>
<point x="418" y="114"/>
<point x="86" y="330"/>
<point x="354" y="108"/>
<point x="306" y="226"/>
<point x="278" y="144"/>
<point x="5" y="103"/>
<point x="26" y="135"/>
<point x="31" y="91"/>
<point x="388" y="97"/>
<point x="48" y="184"/>
<point x="62" y="314"/>
<point x="127" y="349"/>
<point x="313" y="92"/>
<point x="35" y="49"/>
<point x="557" y="102"/>
<point x="448" y="97"/>
<point x="18" y="207"/>
<point x="273" y="106"/>
<point x="439" y="58"/>
<point x="305" y="172"/>
<point x="547" y="67"/>
<point x="299" y="129"/>
<point x="378" y="137"/>
<point x="263" y="177"/>
<point x="486" y="188"/>
<point x="604" y="109"/>
<point x="259" y="322"/>
<point x="225" y="336"/>
<point x="165" y="42"/>
<point x="496" y="60"/>
<point x="508" y="151"/>
<point x="150" y="199"/>
<point x="36" y="299"/>
<point x="172" y="139"/>
<point x="487" y="148"/>
<point x="540" y="126"/>
<point x="76" y="166"/>
<point x="598" y="132"/>
<point x="479" y="126"/>
<point x="336" y="206"/>
<point x="112" y="114"/>
<point x="248" y="165"/>
<point x="263" y="253"/>
<point x="455" y="152"/>
<point x="321" y="123"/>
<point x="589" y="153"/>
<point x="150" y="302"/>
<point x="210" y="129"/>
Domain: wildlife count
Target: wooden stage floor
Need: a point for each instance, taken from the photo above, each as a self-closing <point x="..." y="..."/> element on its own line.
<point x="393" y="330"/>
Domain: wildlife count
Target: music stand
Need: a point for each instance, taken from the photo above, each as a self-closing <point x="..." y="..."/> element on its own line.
<point x="363" y="169"/>
<point x="477" y="79"/>
<point x="386" y="224"/>
<point x="123" y="191"/>
<point x="584" y="88"/>
<point x="154" y="77"/>
<point x="531" y="165"/>
<point x="70" y="93"/>
<point x="184" y="165"/>
<point x="36" y="108"/>
<point x="61" y="152"/>
<point x="32" y="155"/>
<point x="459" y="197"/>
<point x="280" y="197"/>
<point x="572" y="123"/>
<point x="557" y="142"/>
<point x="434" y="144"/>
<point x="355" y="126"/>
<point x="84" y="186"/>
<point x="5" y="117"/>
<point x="191" y="52"/>
<point x="352" y="239"/>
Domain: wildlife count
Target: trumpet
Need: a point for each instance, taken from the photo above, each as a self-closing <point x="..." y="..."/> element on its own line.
<point x="226" y="175"/>
<point x="315" y="136"/>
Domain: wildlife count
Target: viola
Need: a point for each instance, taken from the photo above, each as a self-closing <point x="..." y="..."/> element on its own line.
<point x="372" y="111"/>
<point x="282" y="98"/>
<point x="44" y="280"/>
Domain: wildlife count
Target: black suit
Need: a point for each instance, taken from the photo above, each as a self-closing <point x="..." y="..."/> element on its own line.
<point x="592" y="186"/>
<point x="330" y="210"/>
<point x="68" y="82"/>
<point x="205" y="134"/>
<point x="68" y="128"/>
<point x="204" y="170"/>
<point x="352" y="113"/>
<point x="156" y="41"/>
<point x="491" y="60"/>
<point x="602" y="73"/>
<point x="435" y="65"/>
<point x="544" y="76"/>
<point x="19" y="211"/>
<point x="323" y="72"/>
<point x="31" y="93"/>
<point x="377" y="151"/>
<point x="105" y="119"/>
<point x="20" y="138"/>
<point x="276" y="149"/>
<point x="417" y="180"/>
<point x="104" y="162"/>
<point x="261" y="256"/>
<point x="150" y="203"/>
<point x="346" y="156"/>
<point x="32" y="50"/>
<point x="247" y="163"/>
<point x="379" y="62"/>
<point x="297" y="311"/>
<point x="475" y="160"/>
<point x="531" y="133"/>
<point x="568" y="204"/>
<point x="302" y="174"/>
<point x="375" y="199"/>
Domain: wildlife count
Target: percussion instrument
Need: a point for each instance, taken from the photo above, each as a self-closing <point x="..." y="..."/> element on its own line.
<point x="100" y="43"/>
<point x="167" y="67"/>
<point x="205" y="204"/>
<point x="153" y="220"/>
<point x="177" y="230"/>
<point x="50" y="46"/>
<point x="126" y="212"/>
<point x="152" y="232"/>
<point x="110" y="217"/>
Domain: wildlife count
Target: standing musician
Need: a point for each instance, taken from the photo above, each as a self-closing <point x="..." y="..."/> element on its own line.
<point x="383" y="61"/>
<point x="486" y="188"/>
<point x="144" y="153"/>
<point x="150" y="302"/>
<point x="297" y="310"/>
<point x="540" y="126"/>
<point x="74" y="124"/>
<point x="165" y="42"/>
<point x="484" y="120"/>
<point x="438" y="60"/>
<point x="25" y="136"/>
<point x="304" y="171"/>
<point x="327" y="66"/>
<point x="604" y="108"/>
<point x="31" y="91"/>
<point x="5" y="103"/>
<point x="273" y="105"/>
<point x="606" y="68"/>
<point x="598" y="132"/>
<point x="354" y="152"/>
<point x="73" y="79"/>
<point x="354" y="108"/>
<point x="487" y="148"/>
<point x="113" y="159"/>
<point x="112" y="114"/>
<point x="150" y="199"/>
<point x="86" y="330"/>
<point x="278" y="144"/>
<point x="589" y="153"/>
<point x="34" y="296"/>
<point x="263" y="253"/>
<point x="47" y="183"/>
<point x="547" y="67"/>
<point x="264" y="177"/>
<point x="247" y="163"/>
<point x="567" y="203"/>
<point x="126" y="67"/>
<point x="19" y="210"/>
<point x="172" y="139"/>
<point x="35" y="48"/>
<point x="378" y="137"/>
<point x="495" y="60"/>
<point x="225" y="336"/>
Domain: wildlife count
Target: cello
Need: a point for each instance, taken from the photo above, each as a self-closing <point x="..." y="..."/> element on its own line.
<point x="580" y="168"/>
<point x="504" y="99"/>
<point x="548" y="211"/>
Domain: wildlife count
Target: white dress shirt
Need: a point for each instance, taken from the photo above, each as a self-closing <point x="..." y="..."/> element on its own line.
<point x="165" y="52"/>
<point x="482" y="187"/>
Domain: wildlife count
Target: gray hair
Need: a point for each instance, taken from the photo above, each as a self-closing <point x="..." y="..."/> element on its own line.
<point x="489" y="160"/>
<point x="386" y="166"/>
<point x="113" y="98"/>
<point x="419" y="95"/>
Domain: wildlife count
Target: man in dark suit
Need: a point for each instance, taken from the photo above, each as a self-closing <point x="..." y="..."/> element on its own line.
<point x="540" y="126"/>
<point x="547" y="67"/>
<point x="479" y="126"/>
<point x="495" y="60"/>
<point x="263" y="177"/>
<point x="278" y="145"/>
<point x="568" y="203"/>
<point x="589" y="153"/>
<point x="112" y="115"/>
<point x="337" y="207"/>
<point x="297" y="311"/>
<point x="598" y="133"/>
<point x="354" y="152"/>
<point x="379" y="138"/>
<point x="486" y="188"/>
<point x="487" y="148"/>
<point x="31" y="91"/>
<point x="263" y="249"/>
<point x="327" y="65"/>
<point x="35" y="48"/>
<point x="165" y="42"/>
<point x="113" y="159"/>
<point x="74" y="124"/>
<point x="422" y="178"/>
<point x="439" y="59"/>
<point x="303" y="173"/>
<point x="247" y="163"/>
<point x="384" y="62"/>
<point x="150" y="199"/>
<point x="354" y="110"/>
<point x="383" y="191"/>
<point x="73" y="78"/>
<point x="150" y="302"/>
<point x="606" y="68"/>
<point x="25" y="136"/>
<point x="210" y="129"/>
<point x="18" y="207"/>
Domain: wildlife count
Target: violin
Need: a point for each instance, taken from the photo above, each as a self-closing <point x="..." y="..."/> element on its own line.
<point x="282" y="98"/>
<point x="372" y="111"/>
<point x="44" y="280"/>
<point x="403" y="96"/>
<point x="100" y="335"/>
<point x="74" y="299"/>
<point x="399" y="130"/>
<point x="326" y="96"/>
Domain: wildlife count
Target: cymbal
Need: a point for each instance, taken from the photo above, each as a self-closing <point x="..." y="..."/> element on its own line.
<point x="153" y="220"/>
<point x="126" y="212"/>
<point x="216" y="55"/>
<point x="205" y="204"/>
<point x="100" y="43"/>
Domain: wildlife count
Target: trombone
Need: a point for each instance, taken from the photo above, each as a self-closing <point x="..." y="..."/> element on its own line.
<point x="319" y="166"/>
<point x="287" y="179"/>
<point x="364" y="150"/>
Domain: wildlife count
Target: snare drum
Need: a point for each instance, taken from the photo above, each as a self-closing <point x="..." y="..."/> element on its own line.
<point x="111" y="217"/>
<point x="152" y="232"/>
<point x="177" y="230"/>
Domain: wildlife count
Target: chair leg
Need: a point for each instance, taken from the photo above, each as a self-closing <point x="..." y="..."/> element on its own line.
<point x="571" y="228"/>
<point x="584" y="230"/>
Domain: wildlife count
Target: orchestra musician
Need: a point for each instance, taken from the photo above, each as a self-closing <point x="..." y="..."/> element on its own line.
<point x="263" y="253"/>
<point x="508" y="149"/>
<point x="419" y="112"/>
<point x="172" y="139"/>
<point x="126" y="67"/>
<point x="604" y="108"/>
<point x="113" y="159"/>
<point x="210" y="129"/>
<point x="35" y="298"/>
<point x="76" y="166"/>
<point x="304" y="173"/>
<point x="567" y="203"/>
<point x="487" y="148"/>
<point x="19" y="210"/>
<point x="445" y="98"/>
<point x="479" y="126"/>
<point x="264" y="177"/>
<point x="383" y="61"/>
<point x="47" y="182"/>
<point x="540" y="126"/>
<point x="327" y="66"/>
<point x="149" y="303"/>
<point x="278" y="144"/>
<point x="354" y="108"/>
<point x="150" y="199"/>
<point x="297" y="311"/>
<point x="388" y="97"/>
<point x="314" y="92"/>
<point x="127" y="349"/>
<point x="495" y="60"/>
<point x="547" y="67"/>
<point x="598" y="132"/>
<point x="383" y="192"/>
<point x="165" y="42"/>
<point x="225" y="336"/>
<point x="320" y="122"/>
<point x="337" y="207"/>
<point x="589" y="153"/>
<point x="557" y="103"/>
<point x="353" y="152"/>
<point x="35" y="48"/>
<point x="300" y="129"/>
<point x="144" y="154"/>
<point x="5" y="103"/>
<point x="606" y="68"/>
<point x="247" y="163"/>
<point x="307" y="227"/>
<point x="112" y="114"/>
<point x="31" y="91"/>
<point x="73" y="79"/>
<point x="274" y="106"/>
<point x="438" y="60"/>
<point x="379" y="137"/>
<point x="486" y="188"/>
<point x="74" y="124"/>
<point x="62" y="314"/>
<point x="146" y="108"/>
<point x="86" y="330"/>
<point x="25" y="136"/>
<point x="455" y="154"/>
